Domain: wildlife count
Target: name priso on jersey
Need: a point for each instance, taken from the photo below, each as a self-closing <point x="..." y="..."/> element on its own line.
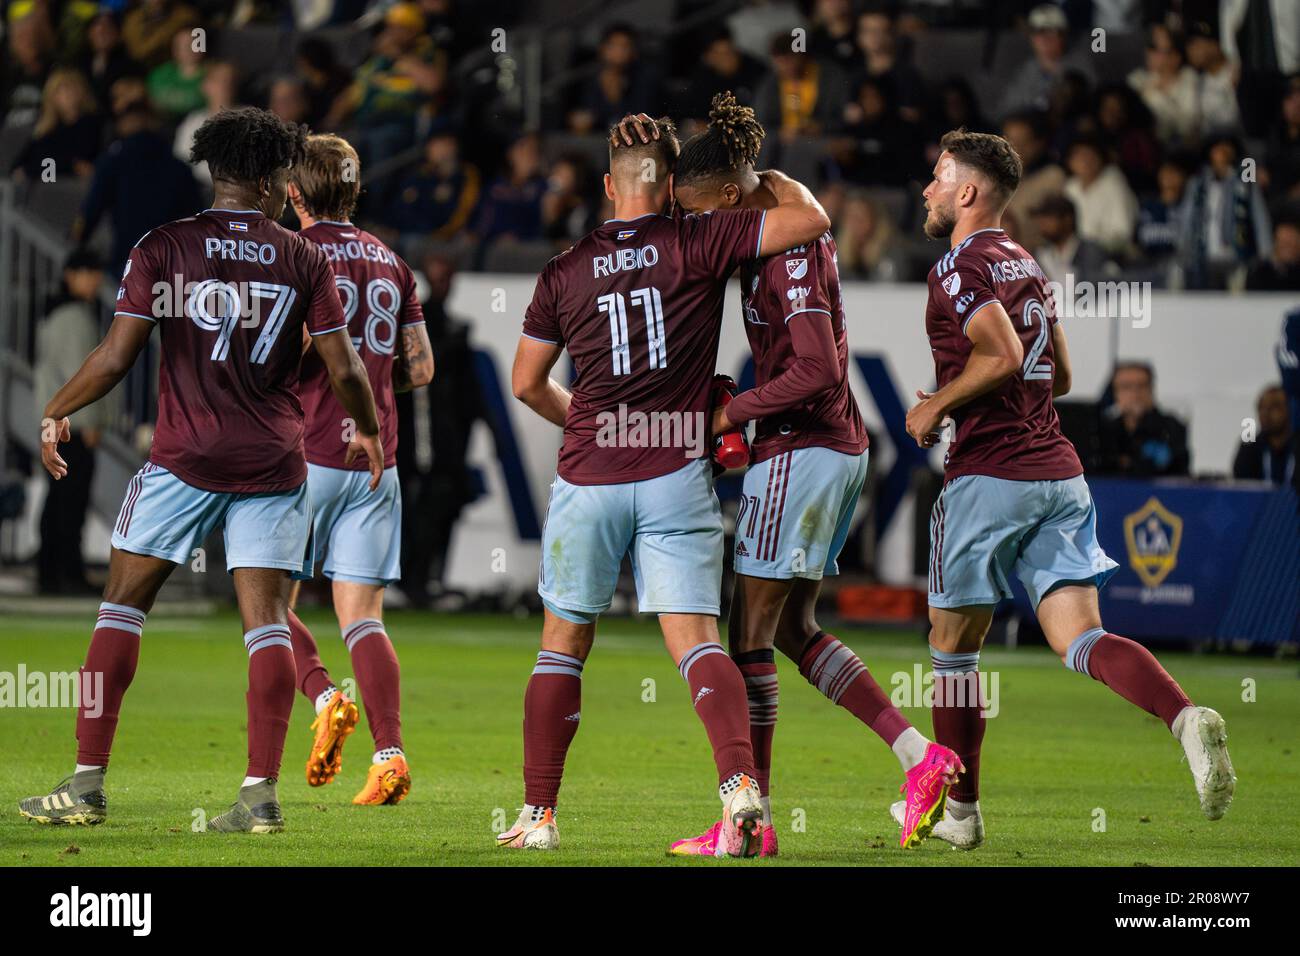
<point x="239" y="250"/>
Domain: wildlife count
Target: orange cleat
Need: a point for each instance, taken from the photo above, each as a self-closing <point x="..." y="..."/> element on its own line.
<point x="386" y="783"/>
<point x="332" y="726"/>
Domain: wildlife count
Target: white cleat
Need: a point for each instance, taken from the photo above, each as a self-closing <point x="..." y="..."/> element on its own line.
<point x="964" y="834"/>
<point x="741" y="831"/>
<point x="1205" y="741"/>
<point x="534" y="830"/>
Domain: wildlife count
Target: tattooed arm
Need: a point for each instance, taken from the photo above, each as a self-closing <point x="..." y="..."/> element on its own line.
<point x="413" y="366"/>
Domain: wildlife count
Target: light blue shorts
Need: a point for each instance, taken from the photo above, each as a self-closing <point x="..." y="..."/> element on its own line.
<point x="671" y="526"/>
<point x="983" y="529"/>
<point x="796" y="512"/>
<point x="358" y="532"/>
<point x="164" y="517"/>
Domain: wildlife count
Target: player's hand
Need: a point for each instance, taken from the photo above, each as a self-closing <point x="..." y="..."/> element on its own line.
<point x="53" y="432"/>
<point x="721" y="423"/>
<point x="924" y="419"/>
<point x="373" y="449"/>
<point x="633" y="128"/>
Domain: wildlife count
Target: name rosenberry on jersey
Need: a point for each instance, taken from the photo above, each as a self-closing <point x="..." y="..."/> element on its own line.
<point x="230" y="314"/>
<point x="641" y="324"/>
<point x="1013" y="430"/>
<point x="379" y="299"/>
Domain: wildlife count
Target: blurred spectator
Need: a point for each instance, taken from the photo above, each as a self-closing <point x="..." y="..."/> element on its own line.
<point x="723" y="66"/>
<point x="1126" y="125"/>
<point x="1282" y="154"/>
<point x="63" y="339"/>
<point x="833" y="36"/>
<point x="105" y="59"/>
<point x="1027" y="134"/>
<point x="69" y="130"/>
<point x="955" y="106"/>
<point x="1216" y="93"/>
<point x="755" y="23"/>
<point x="1261" y="38"/>
<point x="139" y="184"/>
<point x="1271" y="456"/>
<point x="1160" y="224"/>
<point x="1104" y="203"/>
<point x="220" y="88"/>
<point x="1030" y="87"/>
<point x="324" y="78"/>
<point x="1168" y="86"/>
<point x="568" y="212"/>
<point x="23" y="73"/>
<point x="623" y="83"/>
<point x="402" y="78"/>
<point x="877" y="147"/>
<point x="434" y="426"/>
<point x="176" y="87"/>
<point x="801" y="97"/>
<point x="149" y="30"/>
<point x="1280" y="272"/>
<point x="1227" y="224"/>
<point x="437" y="198"/>
<point x="1136" y="437"/>
<point x="866" y="242"/>
<point x="1062" y="253"/>
<point x="877" y="39"/>
<point x="288" y="100"/>
<point x="126" y="92"/>
<point x="512" y="204"/>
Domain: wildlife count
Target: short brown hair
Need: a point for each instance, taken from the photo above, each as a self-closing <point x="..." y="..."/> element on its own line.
<point x="328" y="177"/>
<point x="664" y="150"/>
<point x="989" y="154"/>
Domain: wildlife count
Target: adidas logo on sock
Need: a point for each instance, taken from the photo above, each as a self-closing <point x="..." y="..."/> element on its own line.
<point x="575" y="716"/>
<point x="703" y="691"/>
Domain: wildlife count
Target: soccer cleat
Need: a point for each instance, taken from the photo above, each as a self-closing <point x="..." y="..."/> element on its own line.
<point x="386" y="783"/>
<point x="78" y="800"/>
<point x="534" y="830"/>
<point x="706" y="844"/>
<point x="332" y="726"/>
<point x="256" y="811"/>
<point x="925" y="792"/>
<point x="964" y="834"/>
<point x="1205" y="741"/>
<point x="740" y="833"/>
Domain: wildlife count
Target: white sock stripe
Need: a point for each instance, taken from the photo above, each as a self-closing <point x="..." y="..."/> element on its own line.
<point x="946" y="663"/>
<point x="557" y="669"/>
<point x="120" y="617"/>
<point x="694" y="654"/>
<point x="359" y="634"/>
<point x="1080" y="649"/>
<point x="554" y="657"/>
<point x="365" y="622"/>
<point x="761" y="680"/>
<point x="835" y="669"/>
<point x="270" y="635"/>
<point x="124" y="610"/>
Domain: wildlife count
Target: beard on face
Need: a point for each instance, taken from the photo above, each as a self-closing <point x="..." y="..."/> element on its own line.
<point x="939" y="223"/>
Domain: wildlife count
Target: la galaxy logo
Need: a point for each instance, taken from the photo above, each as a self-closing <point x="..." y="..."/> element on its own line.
<point x="796" y="268"/>
<point x="1153" y="534"/>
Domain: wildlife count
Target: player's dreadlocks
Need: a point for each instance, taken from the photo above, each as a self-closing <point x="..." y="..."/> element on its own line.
<point x="246" y="144"/>
<point x="731" y="142"/>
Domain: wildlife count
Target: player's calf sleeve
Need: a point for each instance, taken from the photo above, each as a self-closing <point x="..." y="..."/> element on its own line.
<point x="758" y="668"/>
<point x="270" y="696"/>
<point x="108" y="672"/>
<point x="552" y="711"/>
<point x="379" y="680"/>
<point x="718" y="692"/>
<point x="958" y="714"/>
<point x="1130" y="670"/>
<point x="839" y="674"/>
<point x="313" y="679"/>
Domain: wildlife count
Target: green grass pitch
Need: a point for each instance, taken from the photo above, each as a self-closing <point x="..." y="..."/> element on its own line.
<point x="1062" y="753"/>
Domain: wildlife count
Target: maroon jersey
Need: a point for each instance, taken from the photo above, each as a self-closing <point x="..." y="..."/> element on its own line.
<point x="379" y="299"/>
<point x="638" y="306"/>
<point x="1012" y="431"/>
<point x="231" y="291"/>
<point x="800" y="285"/>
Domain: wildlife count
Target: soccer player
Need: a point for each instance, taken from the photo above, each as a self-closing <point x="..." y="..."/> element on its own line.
<point x="358" y="531"/>
<point x="232" y="292"/>
<point x="810" y="459"/>
<point x="1014" y="499"/>
<point x="637" y="304"/>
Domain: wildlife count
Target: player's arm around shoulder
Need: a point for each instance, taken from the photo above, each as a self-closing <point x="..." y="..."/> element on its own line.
<point x="797" y="219"/>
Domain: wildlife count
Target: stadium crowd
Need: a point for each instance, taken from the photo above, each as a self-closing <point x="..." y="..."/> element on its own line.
<point x="1152" y="152"/>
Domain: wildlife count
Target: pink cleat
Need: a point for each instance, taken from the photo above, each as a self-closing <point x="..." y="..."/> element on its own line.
<point x="925" y="793"/>
<point x="707" y="843"/>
